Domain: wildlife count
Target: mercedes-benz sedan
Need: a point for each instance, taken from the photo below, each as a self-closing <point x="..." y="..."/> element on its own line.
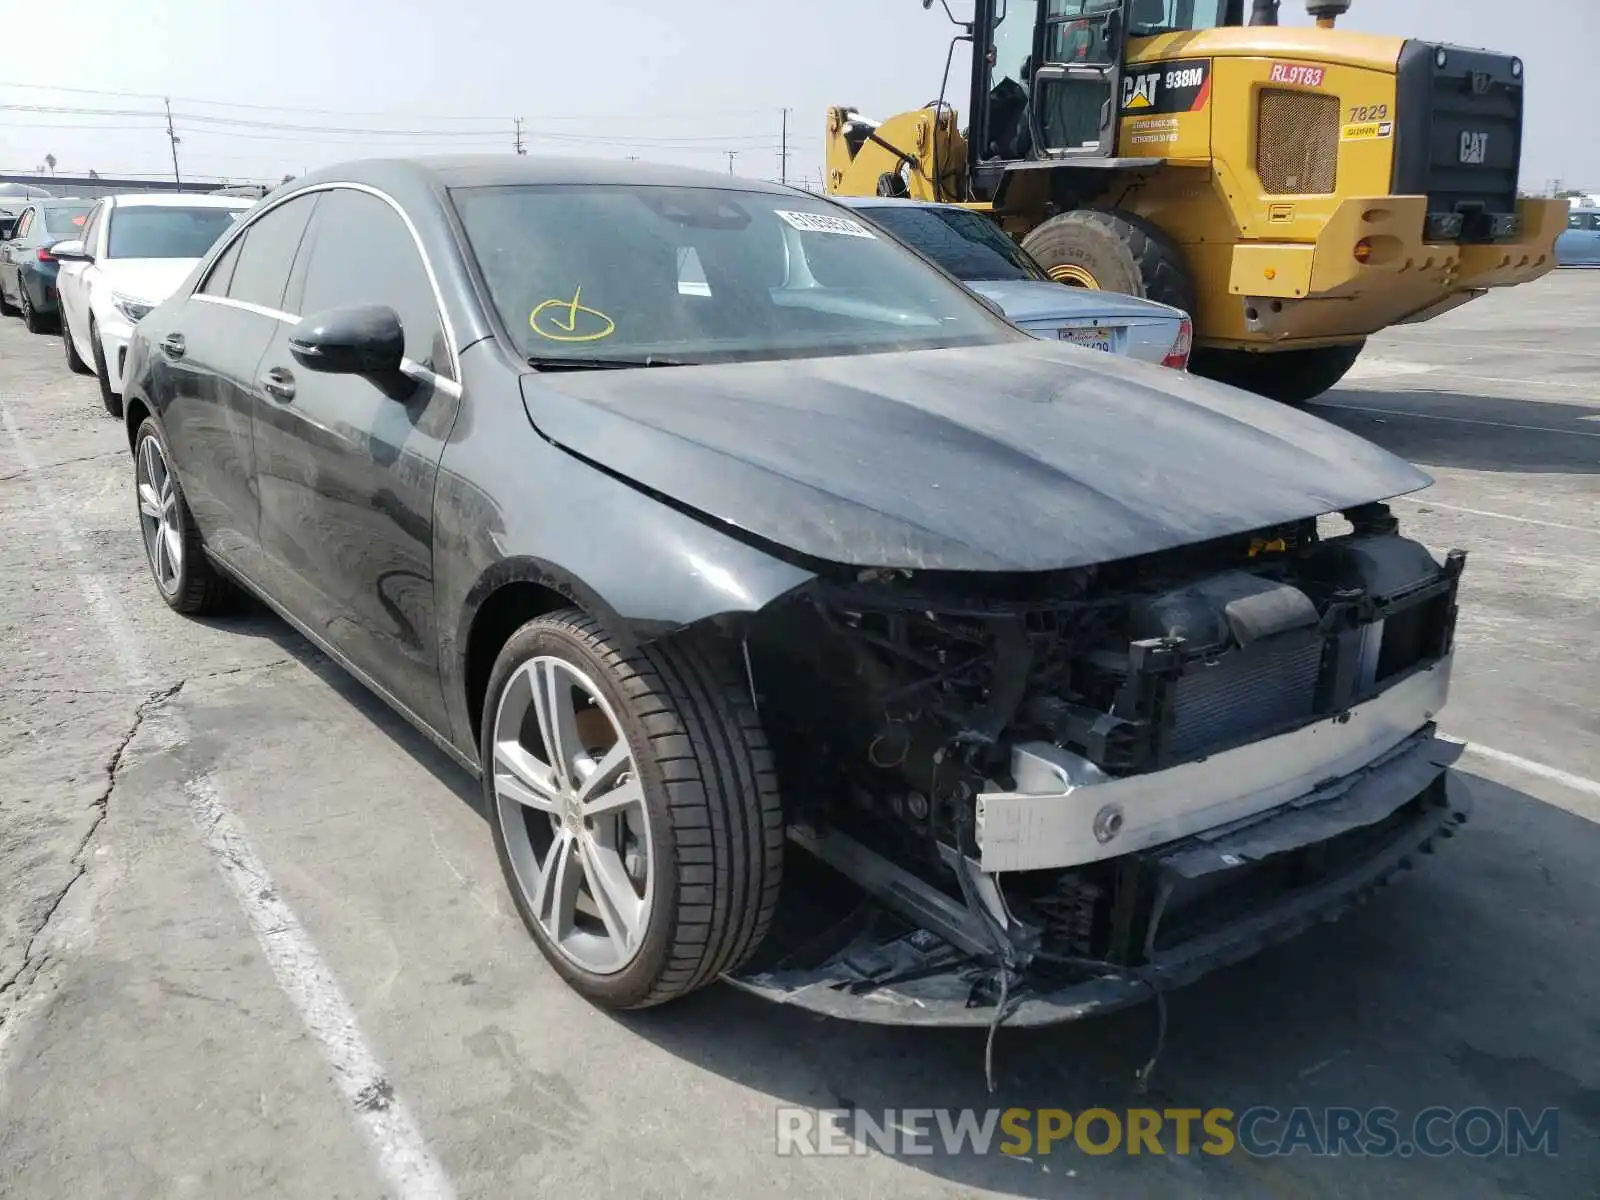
<point x="806" y="623"/>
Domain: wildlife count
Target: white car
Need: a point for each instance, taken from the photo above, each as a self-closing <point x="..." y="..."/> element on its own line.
<point x="135" y="251"/>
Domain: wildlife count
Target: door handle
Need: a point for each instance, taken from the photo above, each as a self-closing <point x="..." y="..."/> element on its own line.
<point x="172" y="345"/>
<point x="279" y="384"/>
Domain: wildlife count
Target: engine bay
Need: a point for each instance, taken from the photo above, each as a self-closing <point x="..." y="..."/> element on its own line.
<point x="895" y="701"/>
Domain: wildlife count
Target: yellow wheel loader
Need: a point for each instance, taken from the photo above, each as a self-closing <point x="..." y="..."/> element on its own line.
<point x="1294" y="189"/>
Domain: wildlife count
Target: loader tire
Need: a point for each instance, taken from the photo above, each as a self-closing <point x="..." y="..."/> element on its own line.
<point x="1113" y="251"/>
<point x="1288" y="376"/>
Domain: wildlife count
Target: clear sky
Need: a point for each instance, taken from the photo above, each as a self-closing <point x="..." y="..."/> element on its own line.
<point x="683" y="81"/>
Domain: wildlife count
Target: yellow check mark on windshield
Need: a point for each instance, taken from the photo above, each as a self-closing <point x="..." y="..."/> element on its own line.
<point x="557" y="320"/>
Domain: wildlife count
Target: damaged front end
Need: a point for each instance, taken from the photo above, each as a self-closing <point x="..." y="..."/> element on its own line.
<point x="1038" y="796"/>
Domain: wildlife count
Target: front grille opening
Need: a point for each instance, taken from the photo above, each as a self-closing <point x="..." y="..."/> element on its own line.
<point x="1202" y="907"/>
<point x="1297" y="143"/>
<point x="1413" y="635"/>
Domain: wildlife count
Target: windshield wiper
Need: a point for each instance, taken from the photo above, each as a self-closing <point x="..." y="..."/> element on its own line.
<point x="604" y="364"/>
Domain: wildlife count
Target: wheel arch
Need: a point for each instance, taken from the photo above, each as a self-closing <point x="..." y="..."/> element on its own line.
<point x="506" y="596"/>
<point x="135" y="410"/>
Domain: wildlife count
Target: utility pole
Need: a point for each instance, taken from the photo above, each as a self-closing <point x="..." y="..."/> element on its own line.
<point x="732" y="154"/>
<point x="517" y="144"/>
<point x="783" y="153"/>
<point x="174" y="139"/>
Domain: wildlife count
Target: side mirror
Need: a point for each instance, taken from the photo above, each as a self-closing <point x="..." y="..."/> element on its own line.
<point x="360" y="339"/>
<point x="71" y="251"/>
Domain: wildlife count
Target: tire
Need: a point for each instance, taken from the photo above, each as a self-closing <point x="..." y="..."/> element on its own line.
<point x="109" y="398"/>
<point x="707" y="819"/>
<point x="30" y="315"/>
<point x="75" y="362"/>
<point x="6" y="307"/>
<point x="1113" y="251"/>
<point x="194" y="586"/>
<point x="1288" y="376"/>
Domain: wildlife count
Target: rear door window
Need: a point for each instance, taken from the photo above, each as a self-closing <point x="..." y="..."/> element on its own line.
<point x="270" y="244"/>
<point x="65" y="221"/>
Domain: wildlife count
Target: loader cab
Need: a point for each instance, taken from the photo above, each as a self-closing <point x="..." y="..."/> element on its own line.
<point x="1048" y="81"/>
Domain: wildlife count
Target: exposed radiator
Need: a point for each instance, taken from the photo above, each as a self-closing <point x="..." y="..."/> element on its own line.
<point x="1245" y="694"/>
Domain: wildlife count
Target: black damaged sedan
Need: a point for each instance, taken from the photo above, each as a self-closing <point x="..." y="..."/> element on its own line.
<point x="808" y="625"/>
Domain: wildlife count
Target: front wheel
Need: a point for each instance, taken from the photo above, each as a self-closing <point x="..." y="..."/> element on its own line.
<point x="1113" y="251"/>
<point x="1288" y="376"/>
<point x="635" y="810"/>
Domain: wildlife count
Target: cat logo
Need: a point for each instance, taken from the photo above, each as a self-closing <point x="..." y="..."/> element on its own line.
<point x="1139" y="91"/>
<point x="1474" y="146"/>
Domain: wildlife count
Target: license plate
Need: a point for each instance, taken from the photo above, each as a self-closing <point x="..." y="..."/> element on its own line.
<point x="1094" y="339"/>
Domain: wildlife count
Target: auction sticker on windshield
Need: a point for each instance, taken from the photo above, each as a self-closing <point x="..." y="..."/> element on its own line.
<point x="822" y="223"/>
<point x="1094" y="339"/>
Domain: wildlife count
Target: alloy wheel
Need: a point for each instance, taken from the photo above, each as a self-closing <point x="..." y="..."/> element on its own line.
<point x="571" y="807"/>
<point x="158" y="515"/>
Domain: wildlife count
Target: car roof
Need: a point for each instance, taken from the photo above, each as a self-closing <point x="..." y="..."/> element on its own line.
<point x="176" y="200"/>
<point x="500" y="170"/>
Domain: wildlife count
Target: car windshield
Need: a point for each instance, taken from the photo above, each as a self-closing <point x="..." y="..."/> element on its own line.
<point x="65" y="220"/>
<point x="166" y="230"/>
<point x="967" y="244"/>
<point x="598" y="275"/>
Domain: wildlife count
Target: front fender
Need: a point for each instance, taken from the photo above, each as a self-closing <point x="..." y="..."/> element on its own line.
<point x="514" y="508"/>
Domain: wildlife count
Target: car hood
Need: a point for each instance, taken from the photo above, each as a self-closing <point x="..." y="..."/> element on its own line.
<point x="149" y="279"/>
<point x="1026" y="301"/>
<point x="1024" y="456"/>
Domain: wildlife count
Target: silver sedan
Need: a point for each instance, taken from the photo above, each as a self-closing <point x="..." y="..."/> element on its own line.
<point x="976" y="251"/>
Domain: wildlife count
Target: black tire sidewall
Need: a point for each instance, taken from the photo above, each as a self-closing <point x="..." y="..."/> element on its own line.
<point x="151" y="427"/>
<point x="555" y="635"/>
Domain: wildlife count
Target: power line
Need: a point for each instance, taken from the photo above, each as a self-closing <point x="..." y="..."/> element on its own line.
<point x="336" y="112"/>
<point x="234" y="126"/>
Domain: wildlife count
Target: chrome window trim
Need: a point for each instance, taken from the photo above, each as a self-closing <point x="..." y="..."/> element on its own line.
<point x="247" y="306"/>
<point x="416" y="240"/>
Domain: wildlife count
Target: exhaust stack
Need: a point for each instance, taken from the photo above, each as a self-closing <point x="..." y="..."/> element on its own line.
<point x="1326" y="12"/>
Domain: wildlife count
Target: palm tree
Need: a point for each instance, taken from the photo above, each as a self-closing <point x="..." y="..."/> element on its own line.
<point x="50" y="161"/>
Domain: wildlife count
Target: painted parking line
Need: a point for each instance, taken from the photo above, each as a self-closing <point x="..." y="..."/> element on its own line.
<point x="1422" y="416"/>
<point x="397" y="1144"/>
<point x="1578" y="783"/>
<point x="1498" y="516"/>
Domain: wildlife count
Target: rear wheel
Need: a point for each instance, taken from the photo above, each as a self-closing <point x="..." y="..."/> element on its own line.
<point x="184" y="575"/>
<point x="108" y="397"/>
<point x="30" y="314"/>
<point x="1288" y="376"/>
<point x="634" y="805"/>
<point x="75" y="362"/>
<point x="1113" y="252"/>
